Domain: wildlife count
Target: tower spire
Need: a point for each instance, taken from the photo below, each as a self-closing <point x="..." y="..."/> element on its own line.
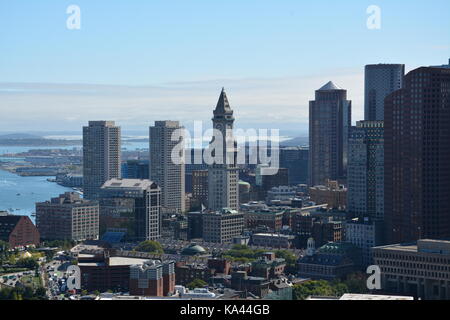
<point x="223" y="106"/>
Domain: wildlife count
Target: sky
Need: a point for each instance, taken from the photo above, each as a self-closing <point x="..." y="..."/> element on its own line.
<point x="137" y="61"/>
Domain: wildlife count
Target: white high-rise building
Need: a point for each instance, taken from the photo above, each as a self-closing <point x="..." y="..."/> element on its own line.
<point x="168" y="174"/>
<point x="223" y="177"/>
<point x="101" y="156"/>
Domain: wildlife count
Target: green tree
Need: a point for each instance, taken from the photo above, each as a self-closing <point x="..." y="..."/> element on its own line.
<point x="4" y="246"/>
<point x="29" y="263"/>
<point x="356" y="283"/>
<point x="339" y="288"/>
<point x="26" y="293"/>
<point x="40" y="293"/>
<point x="243" y="253"/>
<point x="150" y="246"/>
<point x="319" y="288"/>
<point x="196" y="283"/>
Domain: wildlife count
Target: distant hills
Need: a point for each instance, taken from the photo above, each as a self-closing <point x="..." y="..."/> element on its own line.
<point x="296" y="142"/>
<point x="15" y="136"/>
<point x="31" y="140"/>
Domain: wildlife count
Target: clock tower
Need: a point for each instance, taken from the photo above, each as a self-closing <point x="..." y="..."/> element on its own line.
<point x="223" y="176"/>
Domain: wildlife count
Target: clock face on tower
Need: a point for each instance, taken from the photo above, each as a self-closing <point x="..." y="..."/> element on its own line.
<point x="219" y="126"/>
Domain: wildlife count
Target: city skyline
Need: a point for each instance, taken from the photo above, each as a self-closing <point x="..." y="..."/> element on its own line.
<point x="177" y="58"/>
<point x="321" y="172"/>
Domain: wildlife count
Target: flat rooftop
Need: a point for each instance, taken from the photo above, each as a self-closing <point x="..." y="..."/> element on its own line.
<point x="277" y="235"/>
<point x="115" y="262"/>
<point x="361" y="297"/>
<point x="137" y="184"/>
<point x="124" y="261"/>
<point x="422" y="246"/>
<point x="353" y="296"/>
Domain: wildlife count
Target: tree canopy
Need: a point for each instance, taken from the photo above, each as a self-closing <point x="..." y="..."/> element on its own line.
<point x="150" y="246"/>
<point x="4" y="245"/>
<point x="196" y="283"/>
<point x="23" y="293"/>
<point x="319" y="288"/>
<point x="242" y="253"/>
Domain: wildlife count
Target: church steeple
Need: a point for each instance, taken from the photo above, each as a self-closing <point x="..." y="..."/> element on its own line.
<point x="223" y="109"/>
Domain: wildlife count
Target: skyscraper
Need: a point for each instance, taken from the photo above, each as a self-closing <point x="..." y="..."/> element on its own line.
<point x="365" y="179"/>
<point x="295" y="159"/>
<point x="380" y="81"/>
<point x="101" y="156"/>
<point x="167" y="173"/>
<point x="365" y="176"/>
<point x="132" y="205"/>
<point x="329" y="124"/>
<point x="223" y="177"/>
<point x="417" y="157"/>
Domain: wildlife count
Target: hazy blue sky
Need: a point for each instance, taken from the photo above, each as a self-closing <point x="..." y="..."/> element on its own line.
<point x="137" y="61"/>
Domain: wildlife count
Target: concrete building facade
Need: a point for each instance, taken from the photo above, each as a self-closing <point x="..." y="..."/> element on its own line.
<point x="365" y="234"/>
<point x="169" y="175"/>
<point x="68" y="217"/>
<point x="333" y="194"/>
<point x="420" y="269"/>
<point x="101" y="156"/>
<point x="222" y="226"/>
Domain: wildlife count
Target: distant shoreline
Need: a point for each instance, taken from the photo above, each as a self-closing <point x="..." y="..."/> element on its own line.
<point x="52" y="142"/>
<point x="39" y="143"/>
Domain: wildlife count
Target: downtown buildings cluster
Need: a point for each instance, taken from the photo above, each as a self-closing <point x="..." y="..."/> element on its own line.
<point x="374" y="193"/>
<point x="395" y="166"/>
